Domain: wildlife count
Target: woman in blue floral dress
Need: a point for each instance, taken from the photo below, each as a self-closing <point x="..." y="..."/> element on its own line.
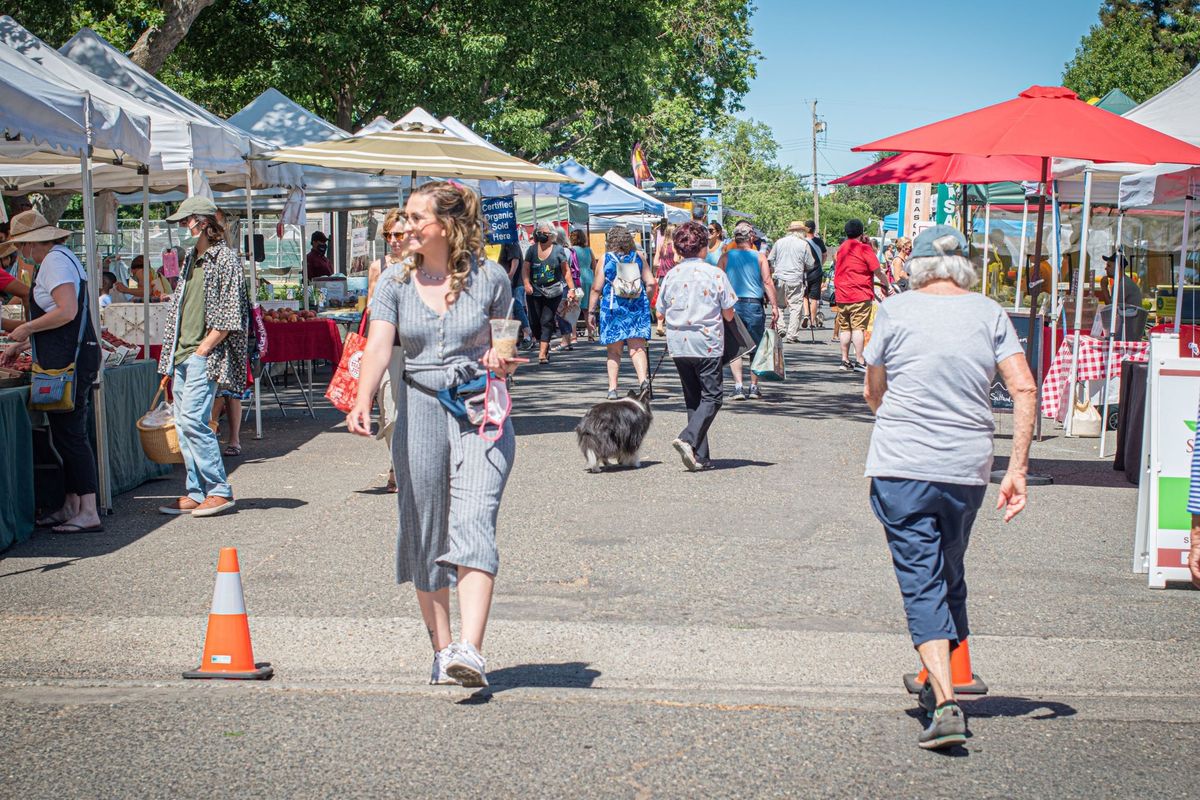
<point x="623" y="308"/>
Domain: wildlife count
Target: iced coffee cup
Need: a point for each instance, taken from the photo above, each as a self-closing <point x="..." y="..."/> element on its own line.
<point x="504" y="337"/>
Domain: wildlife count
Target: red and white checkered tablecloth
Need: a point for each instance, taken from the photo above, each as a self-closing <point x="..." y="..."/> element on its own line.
<point x="1092" y="354"/>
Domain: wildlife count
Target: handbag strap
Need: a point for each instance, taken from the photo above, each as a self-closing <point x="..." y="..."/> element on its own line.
<point x="83" y="306"/>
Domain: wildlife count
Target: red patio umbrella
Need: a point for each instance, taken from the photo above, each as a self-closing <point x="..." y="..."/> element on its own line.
<point x="939" y="168"/>
<point x="1043" y="122"/>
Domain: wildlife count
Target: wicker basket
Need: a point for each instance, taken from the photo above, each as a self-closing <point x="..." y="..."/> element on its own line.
<point x="160" y="444"/>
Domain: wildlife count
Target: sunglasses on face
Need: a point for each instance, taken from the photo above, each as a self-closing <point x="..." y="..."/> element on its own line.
<point x="388" y="236"/>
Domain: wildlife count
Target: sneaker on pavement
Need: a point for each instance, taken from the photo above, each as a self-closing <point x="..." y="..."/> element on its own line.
<point x="738" y="393"/>
<point x="860" y="366"/>
<point x="612" y="395"/>
<point x="213" y="505"/>
<point x="754" y="394"/>
<point x="687" y="454"/>
<point x="181" y="505"/>
<point x="846" y="366"/>
<point x="439" y="677"/>
<point x="467" y="666"/>
<point x="947" y="728"/>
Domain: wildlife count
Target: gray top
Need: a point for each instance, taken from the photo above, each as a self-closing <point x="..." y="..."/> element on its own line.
<point x="791" y="257"/>
<point x="443" y="350"/>
<point x="940" y="353"/>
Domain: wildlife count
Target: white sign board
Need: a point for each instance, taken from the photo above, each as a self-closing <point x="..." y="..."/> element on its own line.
<point x="1164" y="524"/>
<point x="358" y="243"/>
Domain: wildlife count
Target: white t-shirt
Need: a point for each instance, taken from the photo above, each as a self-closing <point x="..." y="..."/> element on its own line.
<point x="57" y="268"/>
<point x="940" y="353"/>
<point x="690" y="300"/>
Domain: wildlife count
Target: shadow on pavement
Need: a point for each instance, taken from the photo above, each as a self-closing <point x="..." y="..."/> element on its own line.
<point x="1069" y="472"/>
<point x="992" y="706"/>
<point x="567" y="675"/>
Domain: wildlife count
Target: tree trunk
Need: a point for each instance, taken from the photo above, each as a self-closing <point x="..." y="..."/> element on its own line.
<point x="157" y="42"/>
<point x="50" y="206"/>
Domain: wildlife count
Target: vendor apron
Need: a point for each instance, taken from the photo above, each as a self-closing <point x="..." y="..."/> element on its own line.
<point x="56" y="347"/>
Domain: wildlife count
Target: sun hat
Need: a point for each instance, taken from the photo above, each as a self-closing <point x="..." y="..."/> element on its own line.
<point x="797" y="227"/>
<point x="7" y="248"/>
<point x="198" y="205"/>
<point x="30" y="226"/>
<point x="940" y="240"/>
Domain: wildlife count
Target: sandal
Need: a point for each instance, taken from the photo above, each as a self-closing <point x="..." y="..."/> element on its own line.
<point x="543" y="361"/>
<point x="232" y="450"/>
<point x="391" y="487"/>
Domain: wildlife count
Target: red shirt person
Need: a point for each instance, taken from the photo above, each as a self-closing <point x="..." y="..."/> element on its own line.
<point x="854" y="269"/>
<point x="317" y="264"/>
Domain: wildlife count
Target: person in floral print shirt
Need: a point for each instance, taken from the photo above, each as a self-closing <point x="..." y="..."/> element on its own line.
<point x="694" y="300"/>
<point x="204" y="349"/>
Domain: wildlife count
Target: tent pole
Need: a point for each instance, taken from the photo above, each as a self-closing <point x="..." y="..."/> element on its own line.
<point x="147" y="269"/>
<point x="253" y="294"/>
<point x="1080" y="273"/>
<point x="1021" y="257"/>
<point x="1037" y="262"/>
<point x="987" y="232"/>
<point x="1055" y="263"/>
<point x="1118" y="279"/>
<point x="1183" y="254"/>
<point x="91" y="256"/>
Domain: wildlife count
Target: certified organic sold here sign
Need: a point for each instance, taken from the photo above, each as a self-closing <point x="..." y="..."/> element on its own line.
<point x="1173" y="398"/>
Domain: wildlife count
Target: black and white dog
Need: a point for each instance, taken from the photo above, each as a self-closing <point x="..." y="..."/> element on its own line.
<point x="612" y="431"/>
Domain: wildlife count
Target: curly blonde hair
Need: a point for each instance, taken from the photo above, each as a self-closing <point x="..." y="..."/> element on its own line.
<point x="394" y="216"/>
<point x="457" y="208"/>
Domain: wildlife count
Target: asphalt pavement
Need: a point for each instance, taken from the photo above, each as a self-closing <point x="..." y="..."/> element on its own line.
<point x="736" y="632"/>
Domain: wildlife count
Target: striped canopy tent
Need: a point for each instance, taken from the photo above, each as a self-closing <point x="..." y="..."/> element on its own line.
<point x="416" y="149"/>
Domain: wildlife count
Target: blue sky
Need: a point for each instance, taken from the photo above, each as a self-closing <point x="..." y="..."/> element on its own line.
<point x="878" y="68"/>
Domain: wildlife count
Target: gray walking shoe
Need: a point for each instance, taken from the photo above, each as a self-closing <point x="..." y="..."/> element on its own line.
<point x="467" y="666"/>
<point x="947" y="728"/>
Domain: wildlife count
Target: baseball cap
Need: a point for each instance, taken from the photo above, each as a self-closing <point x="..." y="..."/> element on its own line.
<point x="1111" y="257"/>
<point x="940" y="240"/>
<point x="197" y="204"/>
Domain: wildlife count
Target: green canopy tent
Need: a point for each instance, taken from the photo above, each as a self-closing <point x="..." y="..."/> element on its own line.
<point x="551" y="209"/>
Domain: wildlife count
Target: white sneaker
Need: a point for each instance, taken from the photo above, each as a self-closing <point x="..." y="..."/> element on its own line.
<point x="467" y="666"/>
<point x="687" y="454"/>
<point x="438" y="676"/>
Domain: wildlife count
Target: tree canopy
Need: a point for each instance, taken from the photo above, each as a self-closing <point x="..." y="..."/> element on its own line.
<point x="1138" y="46"/>
<point x="539" y="78"/>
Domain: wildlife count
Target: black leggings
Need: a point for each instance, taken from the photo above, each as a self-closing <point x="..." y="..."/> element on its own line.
<point x="541" y="316"/>
<point x="69" y="432"/>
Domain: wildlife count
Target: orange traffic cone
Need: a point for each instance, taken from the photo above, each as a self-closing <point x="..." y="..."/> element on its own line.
<point x="965" y="681"/>
<point x="227" y="652"/>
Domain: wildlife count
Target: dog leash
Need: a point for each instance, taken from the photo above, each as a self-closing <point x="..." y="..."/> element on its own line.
<point x="661" y="359"/>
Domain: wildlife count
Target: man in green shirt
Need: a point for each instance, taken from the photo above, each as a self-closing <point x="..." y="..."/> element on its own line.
<point x="204" y="350"/>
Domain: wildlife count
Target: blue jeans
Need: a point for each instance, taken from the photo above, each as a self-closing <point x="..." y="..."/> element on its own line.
<point x="928" y="526"/>
<point x="194" y="395"/>
<point x="518" y="293"/>
<point x="750" y="309"/>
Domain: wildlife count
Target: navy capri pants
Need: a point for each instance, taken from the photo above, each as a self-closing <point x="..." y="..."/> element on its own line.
<point x="928" y="526"/>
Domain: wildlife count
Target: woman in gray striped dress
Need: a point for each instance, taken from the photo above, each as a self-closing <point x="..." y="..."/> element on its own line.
<point x="450" y="479"/>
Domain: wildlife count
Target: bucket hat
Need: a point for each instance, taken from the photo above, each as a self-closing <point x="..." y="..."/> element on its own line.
<point x="30" y="226"/>
<point x="198" y="205"/>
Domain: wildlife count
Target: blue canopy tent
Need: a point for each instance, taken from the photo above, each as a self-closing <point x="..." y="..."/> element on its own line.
<point x="602" y="197"/>
<point x="892" y="222"/>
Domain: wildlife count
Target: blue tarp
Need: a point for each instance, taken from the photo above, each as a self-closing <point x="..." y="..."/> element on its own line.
<point x="892" y="221"/>
<point x="602" y="198"/>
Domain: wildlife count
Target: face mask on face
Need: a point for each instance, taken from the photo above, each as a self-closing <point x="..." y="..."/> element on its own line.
<point x="319" y="247"/>
<point x="541" y="237"/>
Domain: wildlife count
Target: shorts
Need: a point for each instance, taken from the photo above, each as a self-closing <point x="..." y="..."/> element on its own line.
<point x="813" y="290"/>
<point x="750" y="310"/>
<point x="855" y="316"/>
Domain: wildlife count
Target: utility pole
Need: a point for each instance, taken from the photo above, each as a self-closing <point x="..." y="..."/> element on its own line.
<point x="817" y="127"/>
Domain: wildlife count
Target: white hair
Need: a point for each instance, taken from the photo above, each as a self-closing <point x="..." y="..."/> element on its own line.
<point x="925" y="269"/>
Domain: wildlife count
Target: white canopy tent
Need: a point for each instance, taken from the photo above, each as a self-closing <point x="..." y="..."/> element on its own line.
<point x="46" y="122"/>
<point x="674" y="214"/>
<point x="42" y="118"/>
<point x="176" y="144"/>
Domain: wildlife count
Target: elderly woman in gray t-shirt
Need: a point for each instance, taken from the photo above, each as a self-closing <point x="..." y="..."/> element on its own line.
<point x="930" y="364"/>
